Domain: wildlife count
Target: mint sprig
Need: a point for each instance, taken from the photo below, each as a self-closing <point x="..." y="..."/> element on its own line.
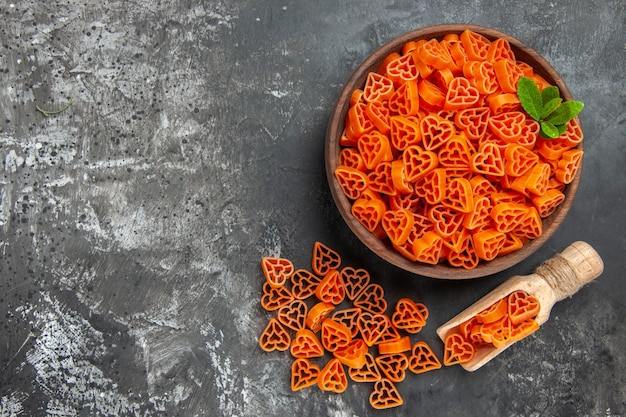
<point x="547" y="107"/>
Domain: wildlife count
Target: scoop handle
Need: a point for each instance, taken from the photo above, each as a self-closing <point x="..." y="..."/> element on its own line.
<point x="568" y="271"/>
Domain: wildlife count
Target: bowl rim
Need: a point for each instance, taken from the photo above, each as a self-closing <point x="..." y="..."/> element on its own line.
<point x="336" y="124"/>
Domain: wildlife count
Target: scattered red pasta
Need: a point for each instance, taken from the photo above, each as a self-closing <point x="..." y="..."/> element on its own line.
<point x="303" y="374"/>
<point x="276" y="270"/>
<point x="368" y="372"/>
<point x="334" y="323"/>
<point x="385" y="395"/>
<point x="423" y="359"/>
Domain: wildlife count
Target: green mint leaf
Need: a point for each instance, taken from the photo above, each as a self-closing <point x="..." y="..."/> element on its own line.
<point x="530" y="97"/>
<point x="549" y="93"/>
<point x="565" y="112"/>
<point x="561" y="129"/>
<point x="549" y="130"/>
<point x="550" y="106"/>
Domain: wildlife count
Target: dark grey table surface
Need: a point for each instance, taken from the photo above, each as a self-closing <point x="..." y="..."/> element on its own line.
<point x="132" y="223"/>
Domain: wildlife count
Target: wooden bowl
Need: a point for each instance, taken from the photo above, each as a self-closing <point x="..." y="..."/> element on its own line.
<point x="336" y="126"/>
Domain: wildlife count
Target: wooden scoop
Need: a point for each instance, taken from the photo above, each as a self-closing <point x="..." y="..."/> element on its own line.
<point x="557" y="278"/>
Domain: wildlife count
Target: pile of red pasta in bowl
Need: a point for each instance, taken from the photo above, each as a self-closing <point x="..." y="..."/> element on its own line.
<point x="434" y="163"/>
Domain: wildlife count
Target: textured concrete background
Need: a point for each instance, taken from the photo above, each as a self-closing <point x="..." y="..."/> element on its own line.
<point x="132" y="224"/>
